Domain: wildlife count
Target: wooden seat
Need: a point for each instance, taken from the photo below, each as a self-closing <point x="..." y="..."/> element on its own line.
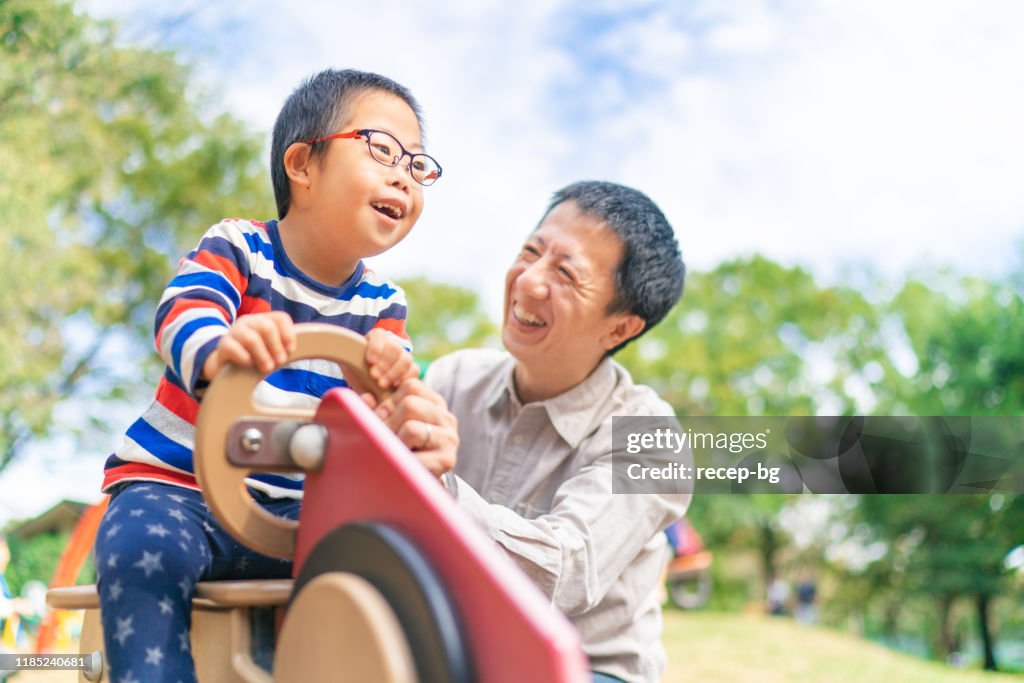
<point x="209" y="595"/>
<point x="227" y="643"/>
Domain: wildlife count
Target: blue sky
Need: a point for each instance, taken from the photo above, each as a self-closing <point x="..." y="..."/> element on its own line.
<point x="830" y="134"/>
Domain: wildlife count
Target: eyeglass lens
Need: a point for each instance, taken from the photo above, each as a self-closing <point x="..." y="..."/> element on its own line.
<point x="387" y="150"/>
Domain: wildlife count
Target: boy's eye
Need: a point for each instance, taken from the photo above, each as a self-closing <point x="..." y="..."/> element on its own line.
<point x="382" y="149"/>
<point x="419" y="166"/>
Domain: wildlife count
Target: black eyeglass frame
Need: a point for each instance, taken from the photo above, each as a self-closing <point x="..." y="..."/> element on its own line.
<point x="365" y="133"/>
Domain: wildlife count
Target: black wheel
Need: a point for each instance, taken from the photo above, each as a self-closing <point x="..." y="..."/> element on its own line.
<point x="399" y="571"/>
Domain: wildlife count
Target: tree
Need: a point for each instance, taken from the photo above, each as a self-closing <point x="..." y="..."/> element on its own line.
<point x="965" y="336"/>
<point x="753" y="337"/>
<point x="443" y="318"/>
<point x="111" y="167"/>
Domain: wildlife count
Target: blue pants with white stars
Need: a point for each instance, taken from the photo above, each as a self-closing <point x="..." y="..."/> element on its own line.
<point x="156" y="541"/>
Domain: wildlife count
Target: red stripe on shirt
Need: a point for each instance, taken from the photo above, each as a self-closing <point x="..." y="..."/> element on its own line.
<point x="253" y="304"/>
<point x="224" y="266"/>
<point x="135" y="471"/>
<point x="177" y="401"/>
<point x="396" y="327"/>
<point x="180" y="306"/>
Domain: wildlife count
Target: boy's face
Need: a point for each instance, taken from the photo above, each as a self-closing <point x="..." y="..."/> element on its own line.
<point x="348" y="186"/>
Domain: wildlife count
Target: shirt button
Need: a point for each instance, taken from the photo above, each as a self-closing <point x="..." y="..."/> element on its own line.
<point x="517" y="439"/>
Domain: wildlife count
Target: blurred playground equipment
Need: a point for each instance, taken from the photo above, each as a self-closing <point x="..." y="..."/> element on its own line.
<point x="688" y="575"/>
<point x="391" y="582"/>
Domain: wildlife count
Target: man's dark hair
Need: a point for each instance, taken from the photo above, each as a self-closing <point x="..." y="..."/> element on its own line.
<point x="649" y="279"/>
<point x="318" y="108"/>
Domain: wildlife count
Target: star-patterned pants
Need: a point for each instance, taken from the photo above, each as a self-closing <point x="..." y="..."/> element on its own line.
<point x="154" y="544"/>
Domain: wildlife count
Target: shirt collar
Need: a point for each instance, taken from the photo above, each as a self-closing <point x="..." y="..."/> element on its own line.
<point x="573" y="412"/>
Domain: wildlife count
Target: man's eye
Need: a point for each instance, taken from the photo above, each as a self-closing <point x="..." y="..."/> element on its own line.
<point x="566" y="274"/>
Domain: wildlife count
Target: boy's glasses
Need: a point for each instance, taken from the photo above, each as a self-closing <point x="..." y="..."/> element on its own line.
<point x="385" y="149"/>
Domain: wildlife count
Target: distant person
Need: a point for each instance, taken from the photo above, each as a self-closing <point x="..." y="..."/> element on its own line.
<point x="533" y="426"/>
<point x="683" y="538"/>
<point x="806" y="593"/>
<point x="777" y="597"/>
<point x="348" y="171"/>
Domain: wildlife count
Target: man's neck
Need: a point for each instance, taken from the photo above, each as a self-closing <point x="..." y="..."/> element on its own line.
<point x="541" y="384"/>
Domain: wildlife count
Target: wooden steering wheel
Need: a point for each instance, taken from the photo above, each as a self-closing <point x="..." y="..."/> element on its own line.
<point x="227" y="400"/>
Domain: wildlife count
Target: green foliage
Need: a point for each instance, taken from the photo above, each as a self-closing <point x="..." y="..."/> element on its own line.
<point x="443" y="318"/>
<point x="965" y="336"/>
<point x="111" y="166"/>
<point x="753" y="337"/>
<point x="36" y="559"/>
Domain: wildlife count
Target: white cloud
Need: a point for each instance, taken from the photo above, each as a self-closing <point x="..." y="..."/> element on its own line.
<point x="813" y="132"/>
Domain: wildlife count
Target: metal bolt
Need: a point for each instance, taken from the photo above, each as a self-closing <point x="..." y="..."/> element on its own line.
<point x="93" y="670"/>
<point x="252" y="440"/>
<point x="308" y="446"/>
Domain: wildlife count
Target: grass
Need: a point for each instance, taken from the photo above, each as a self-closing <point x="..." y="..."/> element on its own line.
<point x="715" y="647"/>
<point x="712" y="647"/>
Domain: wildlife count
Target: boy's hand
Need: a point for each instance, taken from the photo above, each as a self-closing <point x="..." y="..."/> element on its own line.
<point x="263" y="340"/>
<point x="389" y="362"/>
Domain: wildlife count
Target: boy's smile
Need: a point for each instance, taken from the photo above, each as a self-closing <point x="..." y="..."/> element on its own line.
<point x="350" y="206"/>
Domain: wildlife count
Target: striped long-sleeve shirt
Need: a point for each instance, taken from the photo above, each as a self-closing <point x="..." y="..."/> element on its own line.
<point x="240" y="267"/>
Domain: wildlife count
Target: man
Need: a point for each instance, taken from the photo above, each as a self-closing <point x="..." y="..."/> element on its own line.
<point x="533" y="426"/>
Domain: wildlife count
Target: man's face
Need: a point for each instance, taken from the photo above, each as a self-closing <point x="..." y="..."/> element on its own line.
<point x="557" y="294"/>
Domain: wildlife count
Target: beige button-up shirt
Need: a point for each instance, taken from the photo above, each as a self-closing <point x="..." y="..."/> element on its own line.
<point x="538" y="478"/>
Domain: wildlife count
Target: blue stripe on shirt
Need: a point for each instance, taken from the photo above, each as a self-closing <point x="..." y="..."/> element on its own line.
<point x="368" y="291"/>
<point x="304" y="382"/>
<point x="258" y="246"/>
<point x="151" y="440"/>
<point x="278" y="480"/>
<point x="182" y="336"/>
<point x="214" y="281"/>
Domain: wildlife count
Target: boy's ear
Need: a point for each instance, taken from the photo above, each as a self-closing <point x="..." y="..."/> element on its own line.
<point x="297" y="160"/>
<point x="623" y="326"/>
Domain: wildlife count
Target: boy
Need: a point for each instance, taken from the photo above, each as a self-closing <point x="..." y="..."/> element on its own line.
<point x="345" y="191"/>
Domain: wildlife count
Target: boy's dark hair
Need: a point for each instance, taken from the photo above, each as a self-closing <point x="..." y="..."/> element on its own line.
<point x="649" y="279"/>
<point x="318" y="108"/>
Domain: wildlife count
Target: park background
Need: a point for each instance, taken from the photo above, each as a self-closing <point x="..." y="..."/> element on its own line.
<point x="844" y="179"/>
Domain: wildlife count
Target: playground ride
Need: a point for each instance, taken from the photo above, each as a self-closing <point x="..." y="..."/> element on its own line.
<point x="688" y="574"/>
<point x="392" y="582"/>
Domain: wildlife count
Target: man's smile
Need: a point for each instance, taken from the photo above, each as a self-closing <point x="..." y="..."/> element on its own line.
<point x="525" y="317"/>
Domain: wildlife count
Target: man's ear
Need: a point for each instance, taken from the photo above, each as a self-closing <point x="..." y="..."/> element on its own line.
<point x="297" y="160"/>
<point x="622" y="327"/>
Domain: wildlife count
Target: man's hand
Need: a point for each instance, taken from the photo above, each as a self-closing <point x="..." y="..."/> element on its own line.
<point x="388" y="361"/>
<point x="263" y="340"/>
<point x="419" y="416"/>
